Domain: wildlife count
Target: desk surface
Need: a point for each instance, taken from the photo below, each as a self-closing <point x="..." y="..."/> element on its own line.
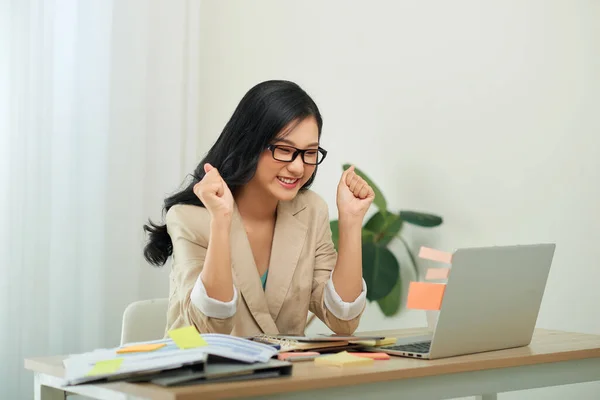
<point x="547" y="346"/>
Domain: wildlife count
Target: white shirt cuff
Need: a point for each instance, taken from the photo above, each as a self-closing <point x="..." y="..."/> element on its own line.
<point x="341" y="309"/>
<point x="210" y="307"/>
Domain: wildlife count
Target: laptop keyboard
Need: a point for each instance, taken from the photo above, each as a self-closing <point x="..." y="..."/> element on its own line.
<point x="421" y="347"/>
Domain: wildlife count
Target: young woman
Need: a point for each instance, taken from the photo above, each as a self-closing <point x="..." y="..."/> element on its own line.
<point x="251" y="245"/>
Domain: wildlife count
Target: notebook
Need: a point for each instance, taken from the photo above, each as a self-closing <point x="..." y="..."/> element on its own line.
<point x="327" y="338"/>
<point x="287" y="343"/>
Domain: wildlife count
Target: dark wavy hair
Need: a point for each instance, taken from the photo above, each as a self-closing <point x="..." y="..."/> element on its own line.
<point x="264" y="111"/>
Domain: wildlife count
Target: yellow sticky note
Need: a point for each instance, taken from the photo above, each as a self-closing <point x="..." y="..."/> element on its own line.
<point x="187" y="338"/>
<point x="106" y="367"/>
<point x="387" y="341"/>
<point x="343" y="359"/>
<point x="139" y="348"/>
<point x="382" y="342"/>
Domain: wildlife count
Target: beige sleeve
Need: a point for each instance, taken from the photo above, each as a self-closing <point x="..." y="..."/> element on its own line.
<point x="325" y="260"/>
<point x="186" y="225"/>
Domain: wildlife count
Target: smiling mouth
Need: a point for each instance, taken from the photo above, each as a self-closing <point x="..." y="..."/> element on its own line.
<point x="287" y="181"/>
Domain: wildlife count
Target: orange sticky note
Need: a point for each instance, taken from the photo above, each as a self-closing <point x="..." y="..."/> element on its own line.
<point x="298" y="356"/>
<point x="139" y="348"/>
<point x="425" y="295"/>
<point x="374" y="356"/>
<point x="435" y="255"/>
<point x="437" y="273"/>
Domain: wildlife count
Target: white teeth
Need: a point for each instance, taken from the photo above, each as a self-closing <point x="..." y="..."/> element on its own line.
<point x="287" y="180"/>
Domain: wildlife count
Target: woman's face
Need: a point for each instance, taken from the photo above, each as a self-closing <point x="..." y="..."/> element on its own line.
<point x="282" y="179"/>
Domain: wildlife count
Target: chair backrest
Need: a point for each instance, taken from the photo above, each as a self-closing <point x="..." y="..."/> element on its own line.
<point x="144" y="320"/>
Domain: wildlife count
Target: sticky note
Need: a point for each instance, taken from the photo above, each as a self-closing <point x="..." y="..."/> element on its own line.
<point x="425" y="295"/>
<point x="437" y="273"/>
<point x="382" y="342"/>
<point x="298" y="356"/>
<point x="139" y="348"/>
<point x="106" y="367"/>
<point x="386" y="341"/>
<point x="374" y="356"/>
<point x="343" y="359"/>
<point x="187" y="337"/>
<point x="435" y="255"/>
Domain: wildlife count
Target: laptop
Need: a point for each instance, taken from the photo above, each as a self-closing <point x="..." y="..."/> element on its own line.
<point x="491" y="302"/>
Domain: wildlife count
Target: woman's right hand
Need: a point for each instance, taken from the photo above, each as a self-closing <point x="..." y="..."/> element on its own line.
<point x="214" y="193"/>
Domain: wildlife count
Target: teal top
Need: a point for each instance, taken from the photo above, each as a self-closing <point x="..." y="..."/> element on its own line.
<point x="263" y="279"/>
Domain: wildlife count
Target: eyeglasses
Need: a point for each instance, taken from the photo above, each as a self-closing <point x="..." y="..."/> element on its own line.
<point x="289" y="154"/>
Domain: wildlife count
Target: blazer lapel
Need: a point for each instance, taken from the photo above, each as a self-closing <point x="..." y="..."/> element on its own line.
<point x="246" y="274"/>
<point x="288" y="241"/>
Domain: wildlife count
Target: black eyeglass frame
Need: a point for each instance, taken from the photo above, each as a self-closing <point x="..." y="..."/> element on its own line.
<point x="297" y="151"/>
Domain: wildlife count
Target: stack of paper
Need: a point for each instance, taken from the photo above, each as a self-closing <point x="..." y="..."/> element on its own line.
<point x="184" y="348"/>
<point x="319" y="342"/>
<point x="108" y="364"/>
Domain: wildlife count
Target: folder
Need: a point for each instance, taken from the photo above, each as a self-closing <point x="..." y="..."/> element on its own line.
<point x="225" y="370"/>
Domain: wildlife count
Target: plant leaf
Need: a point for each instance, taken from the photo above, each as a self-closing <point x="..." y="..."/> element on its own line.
<point x="420" y="219"/>
<point x="335" y="232"/>
<point x="381" y="270"/>
<point x="390" y="304"/>
<point x="411" y="256"/>
<point x="366" y="234"/>
<point x="385" y="225"/>
<point x="379" y="200"/>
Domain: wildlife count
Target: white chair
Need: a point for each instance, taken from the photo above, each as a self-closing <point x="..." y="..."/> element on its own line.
<point x="144" y="320"/>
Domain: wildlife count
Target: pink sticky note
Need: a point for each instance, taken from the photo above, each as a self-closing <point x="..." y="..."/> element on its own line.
<point x="435" y="255"/>
<point x="425" y="296"/>
<point x="437" y="273"/>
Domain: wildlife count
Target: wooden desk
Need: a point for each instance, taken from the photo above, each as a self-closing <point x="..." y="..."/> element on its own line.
<point x="553" y="358"/>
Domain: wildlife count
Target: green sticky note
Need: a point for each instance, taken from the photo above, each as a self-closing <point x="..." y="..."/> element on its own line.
<point x="187" y="338"/>
<point x="106" y="367"/>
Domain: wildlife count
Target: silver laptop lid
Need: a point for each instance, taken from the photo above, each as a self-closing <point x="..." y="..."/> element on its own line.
<point x="492" y="298"/>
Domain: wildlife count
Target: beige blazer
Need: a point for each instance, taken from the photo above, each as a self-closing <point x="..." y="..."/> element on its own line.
<point x="302" y="258"/>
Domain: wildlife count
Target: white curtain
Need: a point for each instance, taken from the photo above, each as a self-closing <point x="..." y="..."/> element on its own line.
<point x="98" y="123"/>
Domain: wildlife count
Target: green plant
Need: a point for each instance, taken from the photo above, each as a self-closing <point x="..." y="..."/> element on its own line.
<point x="381" y="268"/>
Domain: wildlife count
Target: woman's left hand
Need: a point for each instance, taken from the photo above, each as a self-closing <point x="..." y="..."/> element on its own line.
<point x="354" y="195"/>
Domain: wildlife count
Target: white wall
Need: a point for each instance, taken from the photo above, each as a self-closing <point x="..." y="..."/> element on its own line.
<point x="486" y="113"/>
<point x="97" y="125"/>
